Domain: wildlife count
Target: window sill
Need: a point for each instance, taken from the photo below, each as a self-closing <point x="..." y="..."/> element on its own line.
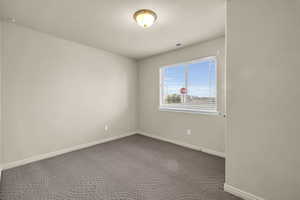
<point x="189" y="111"/>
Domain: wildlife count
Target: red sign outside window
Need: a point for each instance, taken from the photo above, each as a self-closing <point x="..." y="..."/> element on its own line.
<point x="183" y="90"/>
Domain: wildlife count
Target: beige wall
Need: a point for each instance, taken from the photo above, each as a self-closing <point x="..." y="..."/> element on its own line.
<point x="1" y="62"/>
<point x="59" y="94"/>
<point x="207" y="130"/>
<point x="263" y="96"/>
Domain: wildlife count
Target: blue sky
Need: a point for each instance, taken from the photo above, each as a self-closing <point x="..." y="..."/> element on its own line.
<point x="198" y="79"/>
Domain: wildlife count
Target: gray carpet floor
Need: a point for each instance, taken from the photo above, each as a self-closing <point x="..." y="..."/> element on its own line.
<point x="131" y="168"/>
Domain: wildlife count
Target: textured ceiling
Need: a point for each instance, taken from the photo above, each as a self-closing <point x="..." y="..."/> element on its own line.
<point x="108" y="24"/>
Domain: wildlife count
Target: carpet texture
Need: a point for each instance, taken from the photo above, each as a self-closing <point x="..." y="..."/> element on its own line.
<point x="132" y="168"/>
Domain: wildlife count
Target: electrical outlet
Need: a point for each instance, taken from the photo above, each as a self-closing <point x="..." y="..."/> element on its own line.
<point x="189" y="132"/>
<point x="106" y="127"/>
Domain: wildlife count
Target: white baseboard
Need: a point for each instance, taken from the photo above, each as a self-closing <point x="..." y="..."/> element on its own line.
<point x="190" y="146"/>
<point x="59" y="152"/>
<point x="82" y="146"/>
<point x="240" y="193"/>
<point x="213" y="152"/>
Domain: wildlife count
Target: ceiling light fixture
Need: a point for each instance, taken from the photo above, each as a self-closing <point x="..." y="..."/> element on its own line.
<point x="145" y="18"/>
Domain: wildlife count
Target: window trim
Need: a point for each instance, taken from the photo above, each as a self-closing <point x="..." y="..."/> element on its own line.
<point x="188" y="108"/>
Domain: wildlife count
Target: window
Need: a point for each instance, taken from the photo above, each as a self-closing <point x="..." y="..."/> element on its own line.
<point x="190" y="86"/>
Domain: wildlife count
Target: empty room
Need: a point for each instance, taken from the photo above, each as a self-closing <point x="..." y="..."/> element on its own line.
<point x="149" y="99"/>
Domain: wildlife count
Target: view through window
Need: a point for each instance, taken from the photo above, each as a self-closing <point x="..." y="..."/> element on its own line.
<point x="190" y="86"/>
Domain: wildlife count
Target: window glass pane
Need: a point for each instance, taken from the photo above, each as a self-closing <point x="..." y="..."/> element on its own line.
<point x="190" y="86"/>
<point x="202" y="84"/>
<point x="173" y="81"/>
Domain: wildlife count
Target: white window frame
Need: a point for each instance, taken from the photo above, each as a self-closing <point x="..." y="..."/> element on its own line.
<point x="187" y="108"/>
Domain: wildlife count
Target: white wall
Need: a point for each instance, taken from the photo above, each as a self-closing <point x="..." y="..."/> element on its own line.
<point x="207" y="130"/>
<point x="59" y="94"/>
<point x="264" y="94"/>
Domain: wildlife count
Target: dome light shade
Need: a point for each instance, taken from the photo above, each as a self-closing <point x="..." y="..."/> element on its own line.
<point x="145" y="18"/>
